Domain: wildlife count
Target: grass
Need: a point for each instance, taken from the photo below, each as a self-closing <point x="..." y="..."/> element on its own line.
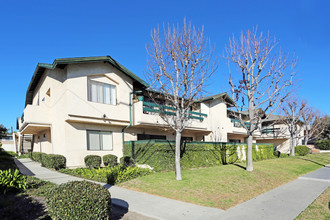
<point x="226" y="186"/>
<point x="319" y="209"/>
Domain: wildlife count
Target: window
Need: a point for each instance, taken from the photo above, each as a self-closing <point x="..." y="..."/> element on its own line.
<point x="102" y="93"/>
<point x="150" y="137"/>
<point x="99" y="140"/>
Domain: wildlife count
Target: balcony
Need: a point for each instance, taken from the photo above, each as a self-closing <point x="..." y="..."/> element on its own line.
<point x="149" y="113"/>
<point x="274" y="132"/>
<point x="34" y="119"/>
<point x="149" y="107"/>
<point x="237" y="123"/>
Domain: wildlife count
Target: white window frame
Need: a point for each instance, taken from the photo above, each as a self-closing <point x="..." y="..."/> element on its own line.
<point x="100" y="134"/>
<point x="100" y="86"/>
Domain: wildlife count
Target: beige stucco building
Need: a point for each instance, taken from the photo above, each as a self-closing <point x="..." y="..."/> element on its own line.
<point x="81" y="106"/>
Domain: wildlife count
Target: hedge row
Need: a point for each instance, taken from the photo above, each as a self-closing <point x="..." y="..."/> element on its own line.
<point x="94" y="161"/>
<point x="323" y="144"/>
<point x="54" y="161"/>
<point x="161" y="154"/>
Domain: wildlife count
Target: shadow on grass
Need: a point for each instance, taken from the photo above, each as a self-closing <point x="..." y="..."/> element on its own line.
<point x="324" y="165"/>
<point x="16" y="206"/>
<point x="240" y="166"/>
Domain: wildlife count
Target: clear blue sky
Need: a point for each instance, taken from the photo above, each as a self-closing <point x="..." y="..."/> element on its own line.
<point x="40" y="31"/>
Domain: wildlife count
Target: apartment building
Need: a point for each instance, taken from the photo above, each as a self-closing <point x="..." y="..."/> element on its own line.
<point x="91" y="105"/>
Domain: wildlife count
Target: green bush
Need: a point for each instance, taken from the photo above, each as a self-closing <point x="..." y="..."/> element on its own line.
<point x="127" y="161"/>
<point x="79" y="200"/>
<point x="282" y="155"/>
<point x="110" y="160"/>
<point x="111" y="175"/>
<point x="93" y="161"/>
<point x="301" y="150"/>
<point x="24" y="156"/>
<point x="54" y="161"/>
<point x="121" y="173"/>
<point x="37" y="156"/>
<point x="161" y="154"/>
<point x="323" y="144"/>
<point x="12" y="181"/>
<point x="277" y="153"/>
<point x="99" y="174"/>
<point x="12" y="153"/>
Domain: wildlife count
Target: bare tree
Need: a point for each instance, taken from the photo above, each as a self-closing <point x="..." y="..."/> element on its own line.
<point x="262" y="81"/>
<point x="293" y="112"/>
<point x="314" y="124"/>
<point x="179" y="64"/>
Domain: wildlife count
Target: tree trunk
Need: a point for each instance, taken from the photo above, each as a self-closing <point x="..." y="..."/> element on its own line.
<point x="249" y="165"/>
<point x="292" y="147"/>
<point x="177" y="155"/>
<point x="306" y="137"/>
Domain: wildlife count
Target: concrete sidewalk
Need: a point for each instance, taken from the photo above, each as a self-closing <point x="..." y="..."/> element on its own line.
<point x="145" y="204"/>
<point x="284" y="202"/>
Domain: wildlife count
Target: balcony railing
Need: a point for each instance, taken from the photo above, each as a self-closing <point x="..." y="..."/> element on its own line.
<point x="237" y="123"/>
<point x="150" y="107"/>
<point x="269" y="130"/>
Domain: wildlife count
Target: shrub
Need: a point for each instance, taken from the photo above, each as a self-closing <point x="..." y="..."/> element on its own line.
<point x="79" y="200"/>
<point x="161" y="154"/>
<point x="282" y="155"/>
<point x="24" y="156"/>
<point x="37" y="156"/>
<point x="12" y="153"/>
<point x="301" y="150"/>
<point x="110" y="160"/>
<point x="121" y="173"/>
<point x="93" y="161"/>
<point x="54" y="161"/>
<point x="11" y="181"/>
<point x="323" y="144"/>
<point x="127" y="161"/>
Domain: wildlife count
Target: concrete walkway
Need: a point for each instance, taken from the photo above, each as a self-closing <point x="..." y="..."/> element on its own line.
<point x="284" y="202"/>
<point x="148" y="205"/>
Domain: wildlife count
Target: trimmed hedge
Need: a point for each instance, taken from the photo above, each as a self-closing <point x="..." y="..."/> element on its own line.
<point x="93" y="161"/>
<point x="301" y="150"/>
<point x="79" y="200"/>
<point x="37" y="156"/>
<point x="323" y="144"/>
<point x="54" y="161"/>
<point x="110" y="160"/>
<point x="161" y="154"/>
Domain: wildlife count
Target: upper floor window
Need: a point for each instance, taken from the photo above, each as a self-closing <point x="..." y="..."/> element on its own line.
<point x="102" y="93"/>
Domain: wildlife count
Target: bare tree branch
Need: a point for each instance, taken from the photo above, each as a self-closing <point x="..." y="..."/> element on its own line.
<point x="263" y="79"/>
<point x="179" y="64"/>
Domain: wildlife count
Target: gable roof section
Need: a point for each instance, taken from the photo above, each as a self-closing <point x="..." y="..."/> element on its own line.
<point x="61" y="63"/>
<point x="223" y="96"/>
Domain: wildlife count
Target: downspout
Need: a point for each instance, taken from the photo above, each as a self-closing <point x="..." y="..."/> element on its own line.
<point x="130" y="117"/>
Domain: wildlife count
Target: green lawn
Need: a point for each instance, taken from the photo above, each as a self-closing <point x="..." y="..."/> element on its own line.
<point x="226" y="186"/>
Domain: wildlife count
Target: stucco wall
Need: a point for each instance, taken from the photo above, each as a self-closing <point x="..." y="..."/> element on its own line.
<point x="76" y="145"/>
